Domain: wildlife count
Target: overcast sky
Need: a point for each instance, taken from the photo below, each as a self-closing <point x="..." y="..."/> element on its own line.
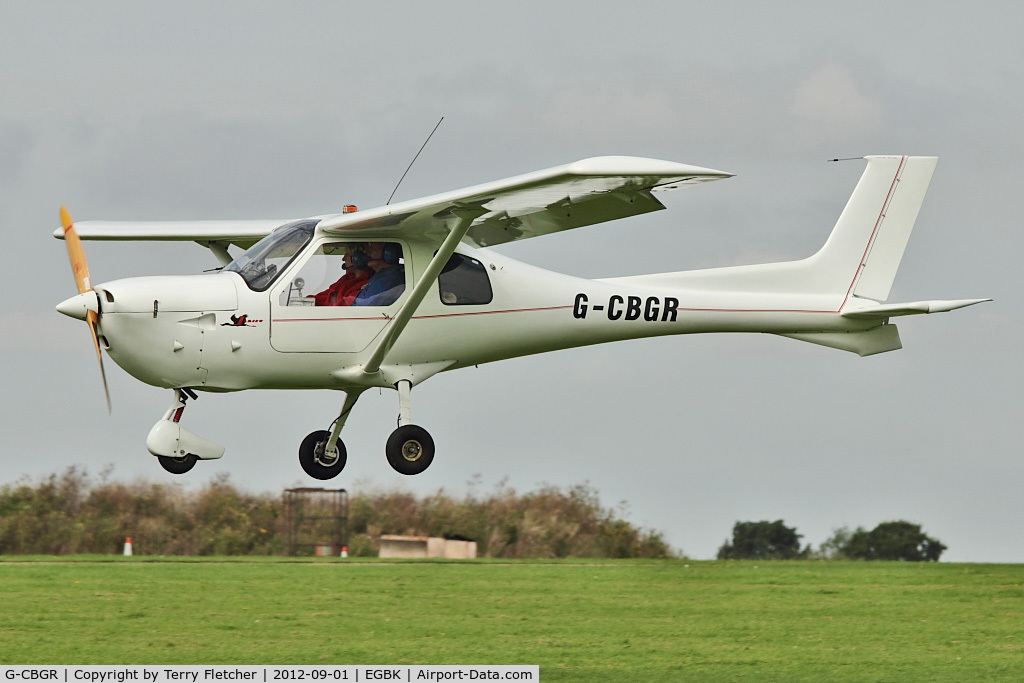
<point x="266" y="110"/>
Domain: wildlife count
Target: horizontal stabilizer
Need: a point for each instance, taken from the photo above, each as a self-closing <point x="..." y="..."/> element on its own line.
<point x="882" y="311"/>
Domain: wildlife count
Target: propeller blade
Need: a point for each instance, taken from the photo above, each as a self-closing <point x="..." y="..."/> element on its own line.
<point x="90" y="319"/>
<point x="80" y="269"/>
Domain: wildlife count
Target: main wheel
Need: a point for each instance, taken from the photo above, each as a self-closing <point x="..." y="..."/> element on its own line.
<point x="177" y="465"/>
<point x="315" y="462"/>
<point x="410" y="449"/>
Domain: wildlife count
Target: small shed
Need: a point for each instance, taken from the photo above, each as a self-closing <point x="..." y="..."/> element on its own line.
<point x="426" y="546"/>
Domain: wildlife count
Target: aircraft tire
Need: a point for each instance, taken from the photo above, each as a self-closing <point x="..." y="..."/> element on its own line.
<point x="178" y="465"/>
<point x="312" y="465"/>
<point x="410" y="449"/>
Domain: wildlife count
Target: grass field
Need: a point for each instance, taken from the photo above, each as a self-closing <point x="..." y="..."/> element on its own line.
<point x="594" y="621"/>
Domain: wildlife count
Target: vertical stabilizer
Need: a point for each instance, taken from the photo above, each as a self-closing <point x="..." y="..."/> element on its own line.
<point x="867" y="243"/>
<point x="886" y="249"/>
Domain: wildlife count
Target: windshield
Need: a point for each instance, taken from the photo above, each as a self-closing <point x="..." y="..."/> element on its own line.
<point x="261" y="263"/>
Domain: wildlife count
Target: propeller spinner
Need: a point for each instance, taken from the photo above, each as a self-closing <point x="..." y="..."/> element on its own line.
<point x="86" y="305"/>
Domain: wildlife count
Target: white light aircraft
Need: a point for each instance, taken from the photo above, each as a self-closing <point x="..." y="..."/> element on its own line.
<point x="392" y="296"/>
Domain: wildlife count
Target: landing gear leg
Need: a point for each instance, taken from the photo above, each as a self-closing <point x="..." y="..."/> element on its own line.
<point x="322" y="454"/>
<point x="410" y="448"/>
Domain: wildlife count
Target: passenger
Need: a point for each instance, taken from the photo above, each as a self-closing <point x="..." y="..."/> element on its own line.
<point x="357" y="274"/>
<point x="388" y="280"/>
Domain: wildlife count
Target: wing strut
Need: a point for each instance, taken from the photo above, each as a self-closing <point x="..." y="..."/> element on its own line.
<point x="219" y="249"/>
<point x="465" y="215"/>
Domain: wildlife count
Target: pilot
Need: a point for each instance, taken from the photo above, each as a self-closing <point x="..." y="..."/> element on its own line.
<point x="357" y="273"/>
<point x="388" y="280"/>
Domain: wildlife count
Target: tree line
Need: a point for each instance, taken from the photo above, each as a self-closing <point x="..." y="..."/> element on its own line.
<point x="896" y="540"/>
<point x="70" y="513"/>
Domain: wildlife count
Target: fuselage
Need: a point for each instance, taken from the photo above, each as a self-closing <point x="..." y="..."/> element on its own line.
<point x="228" y="331"/>
<point x="391" y="296"/>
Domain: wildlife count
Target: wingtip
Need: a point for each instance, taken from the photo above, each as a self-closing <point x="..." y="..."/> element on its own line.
<point x="628" y="165"/>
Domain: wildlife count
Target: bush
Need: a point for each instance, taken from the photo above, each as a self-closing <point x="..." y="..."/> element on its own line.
<point x="67" y="514"/>
<point x="546" y="523"/>
<point x="834" y="547"/>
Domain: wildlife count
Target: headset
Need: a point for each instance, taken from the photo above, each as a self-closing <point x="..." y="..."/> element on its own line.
<point x="392" y="253"/>
<point x="359" y="259"/>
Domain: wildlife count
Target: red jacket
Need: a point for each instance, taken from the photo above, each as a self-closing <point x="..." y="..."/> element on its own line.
<point x="342" y="292"/>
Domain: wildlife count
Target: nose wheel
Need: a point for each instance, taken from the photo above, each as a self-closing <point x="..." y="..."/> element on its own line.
<point x="177" y="449"/>
<point x="177" y="465"/>
<point x="410" y="449"/>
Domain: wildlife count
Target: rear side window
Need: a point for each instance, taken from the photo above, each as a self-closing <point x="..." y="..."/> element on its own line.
<point x="464" y="282"/>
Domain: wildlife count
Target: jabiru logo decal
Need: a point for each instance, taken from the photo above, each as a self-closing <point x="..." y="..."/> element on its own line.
<point x="241" y="321"/>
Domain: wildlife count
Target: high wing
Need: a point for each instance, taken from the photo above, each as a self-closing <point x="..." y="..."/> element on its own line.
<point x="561" y="198"/>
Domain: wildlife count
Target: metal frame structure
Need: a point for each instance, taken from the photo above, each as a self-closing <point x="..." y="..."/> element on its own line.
<point x="317" y="519"/>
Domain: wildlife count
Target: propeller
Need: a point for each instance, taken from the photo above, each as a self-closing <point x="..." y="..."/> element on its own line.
<point x="81" y="272"/>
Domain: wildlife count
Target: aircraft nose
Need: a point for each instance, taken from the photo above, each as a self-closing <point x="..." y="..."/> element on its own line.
<point x="79" y="305"/>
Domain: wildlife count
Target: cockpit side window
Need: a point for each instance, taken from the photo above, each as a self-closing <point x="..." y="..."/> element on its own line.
<point x="349" y="274"/>
<point x="261" y="263"/>
<point x="463" y="282"/>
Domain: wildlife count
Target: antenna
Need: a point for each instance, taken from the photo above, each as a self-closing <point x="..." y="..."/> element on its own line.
<point x="414" y="161"/>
